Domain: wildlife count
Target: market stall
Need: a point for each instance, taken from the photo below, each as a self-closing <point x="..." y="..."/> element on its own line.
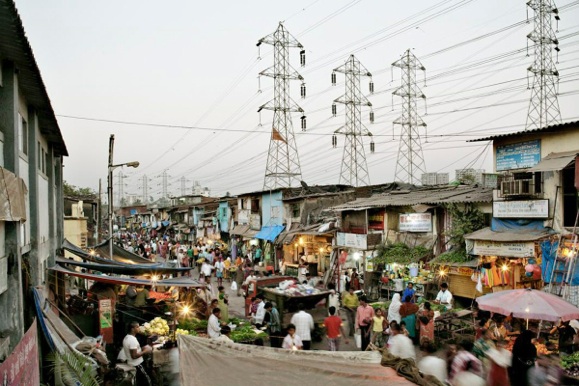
<point x="312" y="244"/>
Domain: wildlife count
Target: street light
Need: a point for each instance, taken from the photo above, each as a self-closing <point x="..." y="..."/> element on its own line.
<point x="111" y="167"/>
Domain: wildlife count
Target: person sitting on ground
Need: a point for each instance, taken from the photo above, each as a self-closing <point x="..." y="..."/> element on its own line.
<point x="213" y="326"/>
<point x="292" y="341"/>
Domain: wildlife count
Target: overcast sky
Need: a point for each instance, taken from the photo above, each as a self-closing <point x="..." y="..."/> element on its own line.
<point x="195" y="64"/>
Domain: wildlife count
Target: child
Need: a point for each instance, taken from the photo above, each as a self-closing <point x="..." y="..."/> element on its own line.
<point x="292" y="341"/>
<point x="403" y="329"/>
<point x="377" y="328"/>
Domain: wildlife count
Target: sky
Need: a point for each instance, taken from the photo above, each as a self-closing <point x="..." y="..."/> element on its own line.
<point x="176" y="82"/>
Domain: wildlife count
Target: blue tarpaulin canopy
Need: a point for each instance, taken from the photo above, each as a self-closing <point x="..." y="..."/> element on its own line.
<point x="269" y="233"/>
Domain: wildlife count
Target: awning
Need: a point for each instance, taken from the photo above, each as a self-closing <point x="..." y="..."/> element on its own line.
<point x="12" y="194"/>
<point x="554" y="162"/>
<point x="120" y="255"/>
<point x="486" y="234"/>
<point x="244" y="231"/>
<point x="269" y="233"/>
<point x="183" y="281"/>
<point x="125" y="269"/>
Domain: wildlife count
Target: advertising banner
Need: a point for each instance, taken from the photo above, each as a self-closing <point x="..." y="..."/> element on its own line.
<point x="21" y="368"/>
<point x="415" y="222"/>
<point x="106" y="319"/>
<point x="518" y="155"/>
<point x="521" y="209"/>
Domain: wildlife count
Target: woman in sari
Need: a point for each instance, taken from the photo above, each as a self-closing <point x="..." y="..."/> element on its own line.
<point x="408" y="312"/>
<point x="394" y="309"/>
<point x="426" y="324"/>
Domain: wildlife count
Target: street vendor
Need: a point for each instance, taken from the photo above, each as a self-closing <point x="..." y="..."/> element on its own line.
<point x="409" y="291"/>
<point x="444" y="296"/>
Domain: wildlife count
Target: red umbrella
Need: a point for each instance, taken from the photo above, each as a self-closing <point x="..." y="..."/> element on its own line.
<point x="529" y="304"/>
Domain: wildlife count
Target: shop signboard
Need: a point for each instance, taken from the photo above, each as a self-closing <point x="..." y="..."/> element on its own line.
<point x="518" y="155"/>
<point x="521" y="209"/>
<point x="352" y="240"/>
<point x="21" y="367"/>
<point x="506" y="249"/>
<point x="106" y="319"/>
<point x="415" y="222"/>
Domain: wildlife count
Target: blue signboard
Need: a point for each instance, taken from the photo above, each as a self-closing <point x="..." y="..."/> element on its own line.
<point x="518" y="155"/>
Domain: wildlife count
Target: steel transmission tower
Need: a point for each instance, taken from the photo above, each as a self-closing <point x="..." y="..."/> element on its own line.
<point x="121" y="184"/>
<point x="544" y="105"/>
<point x="283" y="164"/>
<point x="354" y="169"/>
<point x="165" y="184"/>
<point x="410" y="161"/>
<point x="145" y="188"/>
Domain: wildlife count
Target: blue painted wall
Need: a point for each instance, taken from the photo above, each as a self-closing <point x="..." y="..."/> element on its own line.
<point x="269" y="201"/>
<point x="223" y="214"/>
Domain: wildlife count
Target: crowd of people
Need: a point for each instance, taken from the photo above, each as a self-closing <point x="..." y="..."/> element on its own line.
<point x="401" y="329"/>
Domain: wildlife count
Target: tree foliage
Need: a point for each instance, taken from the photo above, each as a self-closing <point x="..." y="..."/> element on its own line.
<point x="72" y="190"/>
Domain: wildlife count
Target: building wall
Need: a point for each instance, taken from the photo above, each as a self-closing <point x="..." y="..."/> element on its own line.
<point x="272" y="212"/>
<point x="75" y="231"/>
<point x="557" y="142"/>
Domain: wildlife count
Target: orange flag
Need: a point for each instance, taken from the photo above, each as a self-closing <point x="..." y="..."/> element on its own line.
<point x="276" y="136"/>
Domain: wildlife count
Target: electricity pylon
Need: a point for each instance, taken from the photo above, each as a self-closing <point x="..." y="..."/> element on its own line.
<point x="410" y="162"/>
<point x="354" y="169"/>
<point x="544" y="104"/>
<point x="283" y="164"/>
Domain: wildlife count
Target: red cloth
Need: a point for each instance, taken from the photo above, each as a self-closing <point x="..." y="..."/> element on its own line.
<point x="333" y="324"/>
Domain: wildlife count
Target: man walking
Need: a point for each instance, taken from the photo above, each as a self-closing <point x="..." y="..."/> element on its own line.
<point x="364" y="315"/>
<point x="304" y="326"/>
<point x="350" y="302"/>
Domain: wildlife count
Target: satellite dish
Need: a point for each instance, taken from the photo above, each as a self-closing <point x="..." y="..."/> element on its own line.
<point x="304" y="185"/>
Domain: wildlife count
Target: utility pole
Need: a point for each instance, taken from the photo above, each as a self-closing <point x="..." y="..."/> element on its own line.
<point x="283" y="164"/>
<point x="544" y="104"/>
<point x="99" y="213"/>
<point x="410" y="161"/>
<point x="354" y="169"/>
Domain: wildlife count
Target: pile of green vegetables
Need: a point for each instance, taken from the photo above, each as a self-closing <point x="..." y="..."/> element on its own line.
<point x="193" y="324"/>
<point x="400" y="253"/>
<point x="245" y="334"/>
<point x="570" y="364"/>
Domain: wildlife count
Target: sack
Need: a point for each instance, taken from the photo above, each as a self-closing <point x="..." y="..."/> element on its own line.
<point x="234" y="286"/>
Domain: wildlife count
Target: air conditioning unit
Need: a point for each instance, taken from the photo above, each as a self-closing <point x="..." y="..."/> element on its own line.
<point x="517" y="188"/>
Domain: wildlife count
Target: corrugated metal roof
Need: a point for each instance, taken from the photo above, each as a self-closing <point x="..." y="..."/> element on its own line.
<point x="15" y="47"/>
<point x="557" y="127"/>
<point x="486" y="234"/>
<point x="555" y="161"/>
<point x="449" y="194"/>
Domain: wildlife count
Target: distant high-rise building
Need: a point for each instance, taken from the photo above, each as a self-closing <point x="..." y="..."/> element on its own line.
<point x="470" y="176"/>
<point x="434" y="179"/>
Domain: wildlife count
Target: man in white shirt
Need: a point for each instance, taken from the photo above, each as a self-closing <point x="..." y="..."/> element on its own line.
<point x="444" y="296"/>
<point x="260" y="313"/>
<point x="292" y="341"/>
<point x="304" y="326"/>
<point x="433" y="365"/>
<point x="206" y="270"/>
<point x="399" y="344"/>
<point x="134" y="354"/>
<point x="213" y="327"/>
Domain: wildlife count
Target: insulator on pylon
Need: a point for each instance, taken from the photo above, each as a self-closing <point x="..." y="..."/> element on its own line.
<point x="334" y="110"/>
<point x="371" y="117"/>
<point x="372" y="147"/>
<point x="372" y="87"/>
<point x="303" y="90"/>
<point x="303" y="57"/>
<point x="303" y="118"/>
<point x="334" y="141"/>
<point x="333" y="78"/>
